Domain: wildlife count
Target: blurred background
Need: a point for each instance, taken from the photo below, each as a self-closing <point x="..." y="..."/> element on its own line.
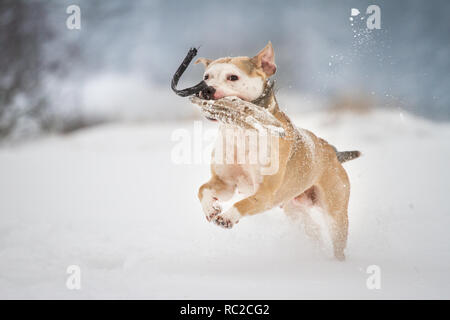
<point x="119" y="64"/>
<point x="90" y="132"/>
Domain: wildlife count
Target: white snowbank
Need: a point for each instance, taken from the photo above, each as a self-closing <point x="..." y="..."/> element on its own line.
<point x="110" y="200"/>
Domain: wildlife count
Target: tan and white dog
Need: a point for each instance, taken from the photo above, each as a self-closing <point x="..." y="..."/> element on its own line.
<point x="309" y="171"/>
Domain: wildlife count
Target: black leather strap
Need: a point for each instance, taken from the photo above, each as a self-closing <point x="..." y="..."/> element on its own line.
<point x="176" y="77"/>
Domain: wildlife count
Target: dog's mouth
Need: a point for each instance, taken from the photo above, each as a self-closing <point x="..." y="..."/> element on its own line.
<point x="211" y="119"/>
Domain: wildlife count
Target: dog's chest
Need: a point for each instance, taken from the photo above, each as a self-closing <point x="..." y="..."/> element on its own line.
<point x="235" y="159"/>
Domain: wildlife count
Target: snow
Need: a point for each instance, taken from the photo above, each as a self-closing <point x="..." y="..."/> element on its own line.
<point x="111" y="200"/>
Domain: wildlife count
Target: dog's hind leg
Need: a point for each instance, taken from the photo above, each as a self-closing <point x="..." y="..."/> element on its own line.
<point x="333" y="195"/>
<point x="300" y="208"/>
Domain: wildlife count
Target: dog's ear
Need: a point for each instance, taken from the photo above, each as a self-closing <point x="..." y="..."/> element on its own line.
<point x="205" y="61"/>
<point x="265" y="59"/>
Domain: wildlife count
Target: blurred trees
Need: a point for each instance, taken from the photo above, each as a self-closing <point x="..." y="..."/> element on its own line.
<point x="23" y="33"/>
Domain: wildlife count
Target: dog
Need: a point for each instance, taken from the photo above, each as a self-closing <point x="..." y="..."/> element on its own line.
<point x="309" y="172"/>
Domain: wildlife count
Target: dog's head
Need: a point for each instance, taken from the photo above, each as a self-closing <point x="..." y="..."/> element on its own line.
<point x="243" y="77"/>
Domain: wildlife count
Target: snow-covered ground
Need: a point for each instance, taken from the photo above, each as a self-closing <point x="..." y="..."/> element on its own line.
<point x="111" y="200"/>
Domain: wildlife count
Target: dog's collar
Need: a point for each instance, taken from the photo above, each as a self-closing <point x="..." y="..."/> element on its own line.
<point x="267" y="93"/>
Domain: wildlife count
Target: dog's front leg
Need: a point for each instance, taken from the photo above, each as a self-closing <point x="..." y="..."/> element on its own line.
<point x="211" y="192"/>
<point x="259" y="202"/>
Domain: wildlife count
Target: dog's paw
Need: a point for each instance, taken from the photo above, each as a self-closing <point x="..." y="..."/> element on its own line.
<point x="211" y="209"/>
<point x="214" y="211"/>
<point x="228" y="219"/>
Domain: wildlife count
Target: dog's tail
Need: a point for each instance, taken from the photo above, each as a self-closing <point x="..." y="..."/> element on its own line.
<point x="344" y="156"/>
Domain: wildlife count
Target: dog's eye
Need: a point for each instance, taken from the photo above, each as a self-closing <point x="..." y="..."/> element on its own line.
<point x="206" y="77"/>
<point x="233" y="77"/>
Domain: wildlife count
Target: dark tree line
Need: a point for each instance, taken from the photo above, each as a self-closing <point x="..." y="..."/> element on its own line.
<point x="23" y="32"/>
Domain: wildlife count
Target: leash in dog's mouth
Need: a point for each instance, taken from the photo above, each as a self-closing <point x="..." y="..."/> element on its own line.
<point x="206" y="90"/>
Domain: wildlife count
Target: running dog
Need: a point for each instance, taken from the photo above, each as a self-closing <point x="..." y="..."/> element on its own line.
<point x="309" y="172"/>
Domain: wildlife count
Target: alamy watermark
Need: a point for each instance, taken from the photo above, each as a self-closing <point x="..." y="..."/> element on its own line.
<point x="374" y="16"/>
<point x="73" y="21"/>
<point x="73" y="281"/>
<point x="373" y="282"/>
<point x="231" y="146"/>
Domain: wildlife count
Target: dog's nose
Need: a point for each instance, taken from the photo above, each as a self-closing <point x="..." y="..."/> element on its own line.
<point x="208" y="93"/>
